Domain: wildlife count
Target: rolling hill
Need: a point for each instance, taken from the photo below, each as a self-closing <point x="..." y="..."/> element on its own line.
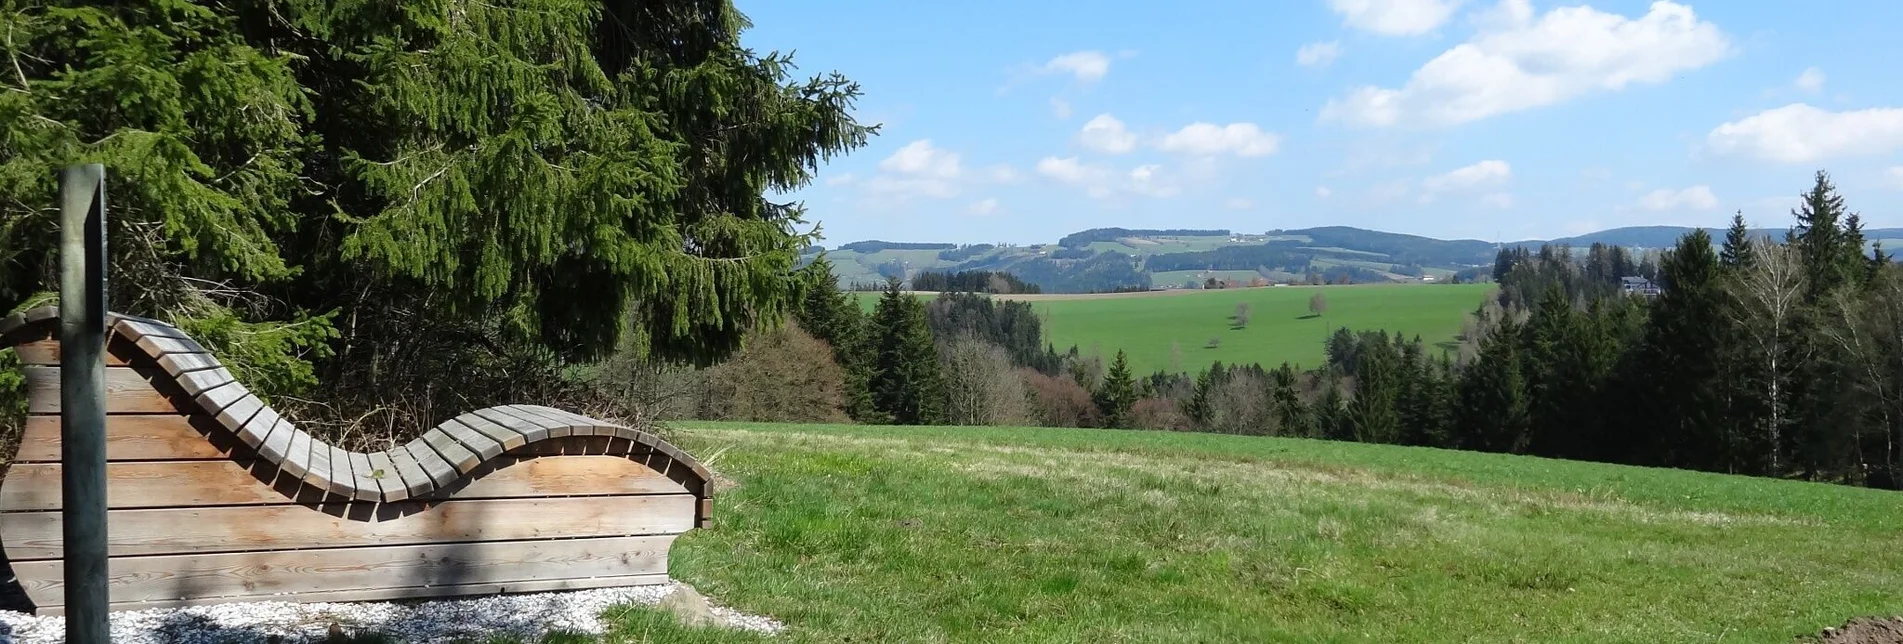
<point x="1105" y="259"/>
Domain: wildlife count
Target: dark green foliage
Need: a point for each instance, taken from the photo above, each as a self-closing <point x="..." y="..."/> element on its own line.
<point x="1492" y="411"/>
<point x="835" y="318"/>
<point x="996" y="282"/>
<point x="1012" y="325"/>
<point x="1100" y="272"/>
<point x="1737" y="249"/>
<point x="907" y="385"/>
<point x="1116" y="394"/>
<point x="1291" y="413"/>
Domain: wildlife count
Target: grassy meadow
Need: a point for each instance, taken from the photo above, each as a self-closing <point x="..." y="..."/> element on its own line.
<point x="868" y="534"/>
<point x="1170" y="330"/>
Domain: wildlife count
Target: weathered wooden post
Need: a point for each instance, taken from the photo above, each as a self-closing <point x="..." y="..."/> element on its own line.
<point x="82" y="339"/>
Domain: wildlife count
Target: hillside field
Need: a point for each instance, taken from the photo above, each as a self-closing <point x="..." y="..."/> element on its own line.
<point x="875" y="534"/>
<point x="1169" y="330"/>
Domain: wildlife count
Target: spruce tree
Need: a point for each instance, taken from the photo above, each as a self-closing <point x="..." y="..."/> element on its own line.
<point x="1371" y="413"/>
<point x="1491" y="412"/>
<point x="1291" y="413"/>
<point x="834" y="316"/>
<point x="1117" y="394"/>
<point x="1737" y="250"/>
<point x="907" y="384"/>
<point x="1683" y="355"/>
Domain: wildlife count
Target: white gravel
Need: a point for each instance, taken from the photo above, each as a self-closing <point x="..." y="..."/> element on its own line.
<point x="527" y="617"/>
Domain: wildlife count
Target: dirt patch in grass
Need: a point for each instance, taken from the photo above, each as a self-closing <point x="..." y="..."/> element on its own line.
<point x="1865" y="630"/>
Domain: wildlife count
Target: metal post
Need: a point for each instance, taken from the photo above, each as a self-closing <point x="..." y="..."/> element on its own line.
<point x="82" y="337"/>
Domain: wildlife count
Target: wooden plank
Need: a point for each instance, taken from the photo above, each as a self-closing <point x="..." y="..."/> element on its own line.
<point x="36" y="486"/>
<point x="255" y="427"/>
<point x="36" y="535"/>
<point x="276" y="447"/>
<point x="556" y="429"/>
<point x="196" y="383"/>
<point x="453" y="453"/>
<point x="410" y="592"/>
<point x="483" y="447"/>
<point x="547" y="476"/>
<point x="156" y="346"/>
<point x="585" y="426"/>
<point x="416" y="481"/>
<point x="128" y="391"/>
<point x="577" y="425"/>
<point x="199" y="577"/>
<point x="12" y="323"/>
<point x="534" y="431"/>
<point x="393" y="485"/>
<point x="343" y="481"/>
<point x="137" y="328"/>
<point x="180" y="363"/>
<point x="510" y="438"/>
<point x="216" y="399"/>
<point x="317" y="468"/>
<point x="439" y="471"/>
<point x="46" y="352"/>
<point x="367" y="479"/>
<point x="128" y="438"/>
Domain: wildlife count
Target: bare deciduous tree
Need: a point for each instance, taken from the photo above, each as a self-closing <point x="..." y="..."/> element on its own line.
<point x="1317" y="304"/>
<point x="981" y="385"/>
<point x="1241" y="318"/>
<point x="1766" y="298"/>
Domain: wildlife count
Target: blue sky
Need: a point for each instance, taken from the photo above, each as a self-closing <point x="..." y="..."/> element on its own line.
<point x="1023" y="121"/>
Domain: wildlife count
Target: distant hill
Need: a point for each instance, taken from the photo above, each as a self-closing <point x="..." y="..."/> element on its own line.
<point x="1103" y="259"/>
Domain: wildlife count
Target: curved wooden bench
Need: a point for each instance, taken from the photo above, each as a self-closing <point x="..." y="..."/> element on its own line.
<point x="213" y="496"/>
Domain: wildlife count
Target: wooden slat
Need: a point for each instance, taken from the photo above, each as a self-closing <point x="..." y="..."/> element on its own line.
<point x="138" y="328"/>
<point x="12" y="323"/>
<point x="156" y="346"/>
<point x="216" y="399"/>
<point x="343" y="481"/>
<point x="47" y="353"/>
<point x="534" y="431"/>
<point x="256" y="425"/>
<point x="179" y="363"/>
<point x="556" y="429"/>
<point x="128" y="438"/>
<point x="510" y="438"/>
<point x="585" y="426"/>
<point x="453" y="453"/>
<point x="483" y="447"/>
<point x="381" y="594"/>
<point x="147" y="484"/>
<point x="317" y="467"/>
<point x="439" y="471"/>
<point x="277" y="446"/>
<point x="202" y="577"/>
<point x="196" y="383"/>
<point x="36" y="535"/>
<point x="367" y="479"/>
<point x="576" y="425"/>
<point x="394" y="487"/>
<point x="414" y="478"/>
<point x="127" y="391"/>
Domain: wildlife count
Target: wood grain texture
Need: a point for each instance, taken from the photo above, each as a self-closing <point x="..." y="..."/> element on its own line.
<point x="47" y="353"/>
<point x="130" y="438"/>
<point x="36" y="535"/>
<point x="415" y="592"/>
<point x="174" y="578"/>
<point x="129" y="390"/>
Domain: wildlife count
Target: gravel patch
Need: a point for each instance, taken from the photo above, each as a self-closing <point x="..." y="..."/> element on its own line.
<point x="527" y="617"/>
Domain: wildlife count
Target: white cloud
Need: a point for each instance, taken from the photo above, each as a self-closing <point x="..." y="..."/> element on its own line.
<point x="1102" y="182"/>
<point x="1694" y="198"/>
<point x="1209" y="139"/>
<point x="1895" y="176"/>
<point x="1238" y="203"/>
<point x="1003" y="173"/>
<point x="1323" y="192"/>
<point x="1060" y="108"/>
<point x="1501" y="200"/>
<point x="1086" y="66"/>
<point x="1395" y="17"/>
<point x="1318" y="54"/>
<point x="922" y="159"/>
<point x="1104" y="133"/>
<point x="1484" y="174"/>
<point x="1799" y="133"/>
<point x="983" y="207"/>
<point x="1812" y="80"/>
<point x="1516" y="62"/>
<point x="841" y="180"/>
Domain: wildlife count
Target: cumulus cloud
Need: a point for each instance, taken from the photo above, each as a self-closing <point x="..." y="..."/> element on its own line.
<point x="1086" y="66"/>
<point x="922" y="169"/>
<point x="1209" y="139"/>
<point x="1518" y="62"/>
<point x="983" y="207"/>
<point x="1800" y="133"/>
<point x="1812" y="80"/>
<point x="1103" y="182"/>
<point x="1318" y="54"/>
<point x="1395" y="17"/>
<point x="922" y="159"/>
<point x="1104" y="133"/>
<point x="1484" y="174"/>
<point x="1694" y="198"/>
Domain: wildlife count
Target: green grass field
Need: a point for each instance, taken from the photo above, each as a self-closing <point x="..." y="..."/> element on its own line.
<point x="1171" y="330"/>
<point x="875" y="534"/>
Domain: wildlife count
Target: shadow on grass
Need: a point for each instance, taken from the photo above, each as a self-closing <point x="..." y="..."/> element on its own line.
<point x="1310" y="316"/>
